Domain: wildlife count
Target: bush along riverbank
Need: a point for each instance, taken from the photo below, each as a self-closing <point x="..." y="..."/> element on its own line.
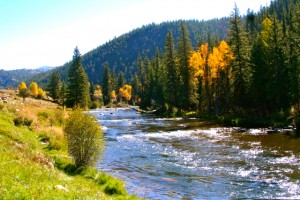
<point x="35" y="163"/>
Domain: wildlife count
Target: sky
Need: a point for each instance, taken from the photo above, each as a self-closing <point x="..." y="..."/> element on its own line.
<point x="36" y="33"/>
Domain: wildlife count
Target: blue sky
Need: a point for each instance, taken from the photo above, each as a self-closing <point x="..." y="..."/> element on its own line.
<point x="36" y="33"/>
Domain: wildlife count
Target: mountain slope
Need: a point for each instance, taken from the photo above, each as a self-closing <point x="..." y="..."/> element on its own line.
<point x="121" y="53"/>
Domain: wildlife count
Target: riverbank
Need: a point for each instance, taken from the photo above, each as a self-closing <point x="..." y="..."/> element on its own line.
<point x="34" y="158"/>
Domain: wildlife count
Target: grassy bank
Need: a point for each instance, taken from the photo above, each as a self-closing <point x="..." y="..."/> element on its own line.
<point x="34" y="159"/>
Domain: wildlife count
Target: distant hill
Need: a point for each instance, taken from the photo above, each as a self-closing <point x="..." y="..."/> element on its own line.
<point x="44" y="68"/>
<point x="121" y="53"/>
<point x="11" y="78"/>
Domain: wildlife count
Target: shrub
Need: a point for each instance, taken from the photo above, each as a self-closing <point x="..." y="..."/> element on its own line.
<point x="95" y="104"/>
<point x="115" y="187"/>
<point x="19" y="121"/>
<point x="111" y="185"/>
<point x="84" y="137"/>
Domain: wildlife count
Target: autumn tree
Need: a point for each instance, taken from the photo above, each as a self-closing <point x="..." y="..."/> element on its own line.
<point x="41" y="93"/>
<point x="22" y="86"/>
<point x="34" y="89"/>
<point x="112" y="96"/>
<point x="78" y="85"/>
<point x="125" y="93"/>
<point x="199" y="63"/>
<point x="24" y="92"/>
<point x="219" y="62"/>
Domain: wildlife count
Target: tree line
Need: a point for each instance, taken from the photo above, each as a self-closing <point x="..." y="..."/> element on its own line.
<point x="254" y="72"/>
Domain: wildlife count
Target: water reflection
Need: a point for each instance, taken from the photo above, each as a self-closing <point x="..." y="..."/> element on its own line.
<point x="177" y="158"/>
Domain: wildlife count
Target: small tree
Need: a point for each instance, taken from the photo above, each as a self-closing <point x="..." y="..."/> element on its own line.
<point x="41" y="93"/>
<point x="85" y="139"/>
<point x="54" y="86"/>
<point x="22" y="86"/>
<point x="24" y="92"/>
<point x="34" y="89"/>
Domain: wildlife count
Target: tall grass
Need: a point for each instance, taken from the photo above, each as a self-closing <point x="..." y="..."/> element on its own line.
<point x="34" y="163"/>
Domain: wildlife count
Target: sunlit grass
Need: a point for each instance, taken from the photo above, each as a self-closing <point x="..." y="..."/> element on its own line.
<point x="34" y="163"/>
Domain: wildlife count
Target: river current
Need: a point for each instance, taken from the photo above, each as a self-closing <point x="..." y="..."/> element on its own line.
<point x="175" y="158"/>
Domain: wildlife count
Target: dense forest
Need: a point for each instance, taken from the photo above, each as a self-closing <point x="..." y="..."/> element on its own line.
<point x="244" y="66"/>
<point x="121" y="53"/>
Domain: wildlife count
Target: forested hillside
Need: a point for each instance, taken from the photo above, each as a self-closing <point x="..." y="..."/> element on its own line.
<point x="12" y="78"/>
<point x="244" y="66"/>
<point x="122" y="52"/>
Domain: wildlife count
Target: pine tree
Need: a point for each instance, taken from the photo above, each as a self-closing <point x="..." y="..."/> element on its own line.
<point x="239" y="43"/>
<point x="54" y="86"/>
<point x="294" y="56"/>
<point x="171" y="70"/>
<point x="121" y="80"/>
<point x="158" y="85"/>
<point x="141" y="81"/>
<point x="135" y="90"/>
<point x="63" y="94"/>
<point x="187" y="88"/>
<point x="78" y="85"/>
<point x="106" y="87"/>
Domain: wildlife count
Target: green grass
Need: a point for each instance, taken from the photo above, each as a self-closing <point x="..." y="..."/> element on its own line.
<point x="30" y="169"/>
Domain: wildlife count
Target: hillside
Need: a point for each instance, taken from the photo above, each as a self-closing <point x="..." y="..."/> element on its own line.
<point x="121" y="53"/>
<point x="34" y="157"/>
<point x="11" y="78"/>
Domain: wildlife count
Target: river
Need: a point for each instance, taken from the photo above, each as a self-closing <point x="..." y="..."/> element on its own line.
<point x="163" y="158"/>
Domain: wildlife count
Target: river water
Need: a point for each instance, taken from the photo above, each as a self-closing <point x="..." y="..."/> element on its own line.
<point x="163" y="158"/>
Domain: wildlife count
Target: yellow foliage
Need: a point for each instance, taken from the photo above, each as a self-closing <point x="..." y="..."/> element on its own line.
<point x="125" y="92"/>
<point x="266" y="31"/>
<point x="22" y="86"/>
<point x="113" y="95"/>
<point x="34" y="89"/>
<point x="41" y="93"/>
<point x="208" y="65"/>
<point x="198" y="60"/>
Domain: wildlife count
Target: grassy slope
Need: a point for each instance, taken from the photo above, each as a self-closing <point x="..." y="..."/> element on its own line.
<point x="29" y="167"/>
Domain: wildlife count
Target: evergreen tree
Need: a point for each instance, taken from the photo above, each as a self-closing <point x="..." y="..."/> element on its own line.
<point x="239" y="43"/>
<point x="171" y="70"/>
<point x="121" y="80"/>
<point x="141" y="80"/>
<point x="106" y="87"/>
<point x="294" y="56"/>
<point x="63" y="94"/>
<point x="135" y="89"/>
<point x="158" y="85"/>
<point x="78" y="85"/>
<point x="149" y="83"/>
<point x="54" y="86"/>
<point x="188" y="87"/>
